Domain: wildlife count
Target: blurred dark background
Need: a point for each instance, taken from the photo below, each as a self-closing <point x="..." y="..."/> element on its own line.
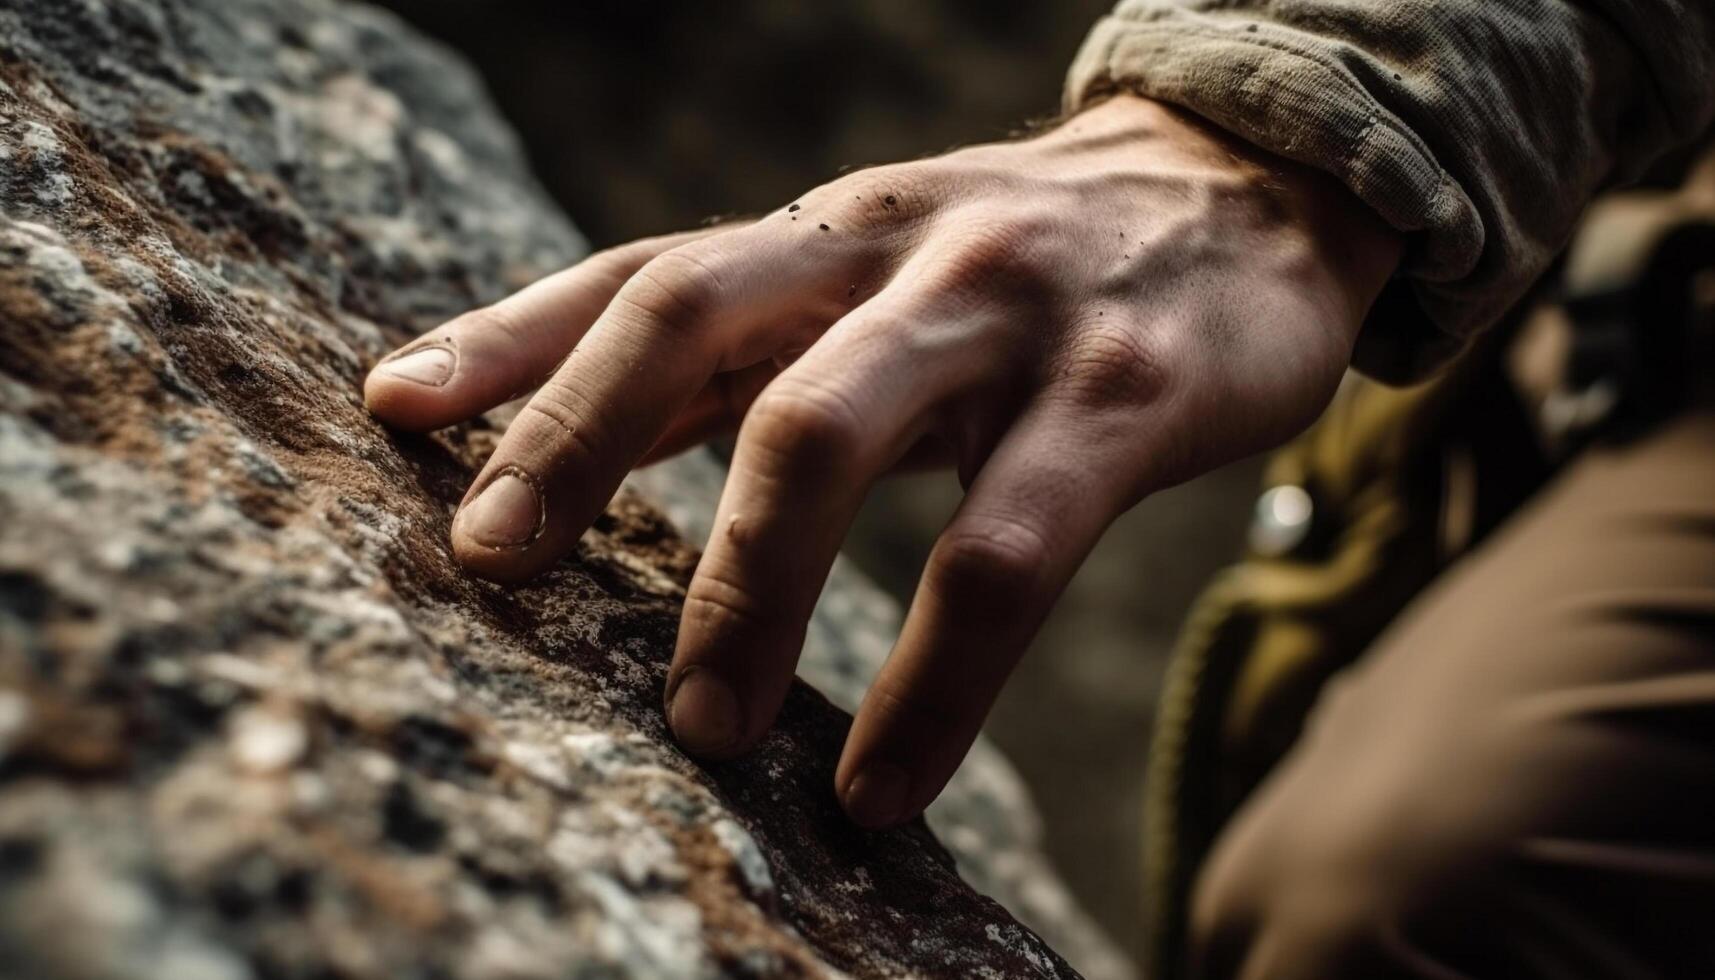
<point x="650" y="117"/>
<point x="646" y="118"/>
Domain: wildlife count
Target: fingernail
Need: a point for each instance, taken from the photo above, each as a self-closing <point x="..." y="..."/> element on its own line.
<point x="429" y="366"/>
<point x="507" y="513"/>
<point x="704" y="712"/>
<point x="877" y="795"/>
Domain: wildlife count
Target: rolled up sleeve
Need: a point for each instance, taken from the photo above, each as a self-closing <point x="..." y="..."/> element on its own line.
<point x="1480" y="128"/>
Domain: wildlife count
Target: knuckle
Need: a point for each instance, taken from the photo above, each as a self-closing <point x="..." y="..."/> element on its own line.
<point x="989" y="561"/>
<point x="618" y="262"/>
<point x="719" y="606"/>
<point x="927" y="715"/>
<point x="1113" y="366"/>
<point x="990" y="257"/>
<point x="799" y="420"/>
<point x="675" y="289"/>
<point x="569" y="412"/>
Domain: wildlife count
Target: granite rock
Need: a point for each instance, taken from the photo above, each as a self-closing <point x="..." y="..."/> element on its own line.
<point x="253" y="720"/>
<point x="985" y="816"/>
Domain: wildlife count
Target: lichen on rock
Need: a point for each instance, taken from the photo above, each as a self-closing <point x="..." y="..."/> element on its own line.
<point x="254" y="722"/>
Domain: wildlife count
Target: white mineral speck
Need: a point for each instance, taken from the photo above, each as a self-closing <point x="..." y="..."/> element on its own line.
<point x="14" y="716"/>
<point x="117" y="554"/>
<point x="267" y="740"/>
<point x="444" y="152"/>
<point x="498" y="953"/>
<point x="859" y="884"/>
<point x="54" y="187"/>
<point x="597" y="750"/>
<point x="185" y="957"/>
<point x="167" y="673"/>
<point x="543" y="763"/>
<point x="378" y="767"/>
<point x="752" y="866"/>
<point x="161" y="609"/>
<point x="237" y="670"/>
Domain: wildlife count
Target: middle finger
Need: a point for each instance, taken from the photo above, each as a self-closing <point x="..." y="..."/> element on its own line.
<point x="810" y="447"/>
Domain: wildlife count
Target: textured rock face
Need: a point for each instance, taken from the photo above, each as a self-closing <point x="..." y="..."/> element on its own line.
<point x="253" y="722"/>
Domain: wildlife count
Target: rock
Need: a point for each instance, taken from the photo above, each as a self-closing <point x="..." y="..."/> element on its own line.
<point x="254" y="723"/>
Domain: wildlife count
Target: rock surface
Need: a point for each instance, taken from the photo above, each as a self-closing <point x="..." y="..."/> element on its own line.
<point x="985" y="815"/>
<point x="253" y="721"/>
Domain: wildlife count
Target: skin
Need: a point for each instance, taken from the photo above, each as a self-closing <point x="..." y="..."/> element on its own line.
<point x="1073" y="321"/>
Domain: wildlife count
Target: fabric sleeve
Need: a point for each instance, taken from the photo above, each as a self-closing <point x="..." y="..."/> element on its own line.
<point x="1480" y="128"/>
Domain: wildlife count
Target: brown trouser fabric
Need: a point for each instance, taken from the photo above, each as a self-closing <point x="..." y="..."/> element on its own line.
<point x="1518" y="781"/>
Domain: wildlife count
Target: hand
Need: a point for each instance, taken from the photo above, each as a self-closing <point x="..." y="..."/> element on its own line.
<point x="1074" y="321"/>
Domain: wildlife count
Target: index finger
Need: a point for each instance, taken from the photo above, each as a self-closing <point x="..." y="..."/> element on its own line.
<point x="715" y="304"/>
<point x="492" y="355"/>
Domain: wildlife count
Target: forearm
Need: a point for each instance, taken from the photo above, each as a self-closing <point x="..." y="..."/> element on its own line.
<point x="1478" y="127"/>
